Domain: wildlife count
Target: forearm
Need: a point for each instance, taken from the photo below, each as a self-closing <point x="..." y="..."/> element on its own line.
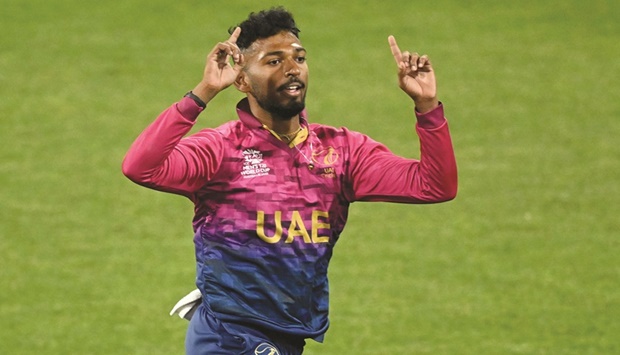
<point x="152" y="159"/>
<point x="205" y="92"/>
<point x="437" y="170"/>
<point x="425" y="106"/>
<point x="379" y="175"/>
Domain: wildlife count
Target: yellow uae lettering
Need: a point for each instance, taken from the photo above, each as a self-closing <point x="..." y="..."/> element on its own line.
<point x="316" y="225"/>
<point x="260" y="227"/>
<point x="297" y="229"/>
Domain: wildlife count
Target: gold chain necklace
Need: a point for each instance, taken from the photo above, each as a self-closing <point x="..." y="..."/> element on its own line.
<point x="290" y="136"/>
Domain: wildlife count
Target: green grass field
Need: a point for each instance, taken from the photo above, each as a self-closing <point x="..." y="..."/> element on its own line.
<point x="524" y="261"/>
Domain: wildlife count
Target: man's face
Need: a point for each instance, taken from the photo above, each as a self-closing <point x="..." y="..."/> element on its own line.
<point x="277" y="74"/>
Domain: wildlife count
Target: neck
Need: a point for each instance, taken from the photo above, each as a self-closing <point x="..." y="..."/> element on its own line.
<point x="280" y="125"/>
<point x="284" y="128"/>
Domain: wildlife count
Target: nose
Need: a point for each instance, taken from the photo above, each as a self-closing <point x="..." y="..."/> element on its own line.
<point x="291" y="68"/>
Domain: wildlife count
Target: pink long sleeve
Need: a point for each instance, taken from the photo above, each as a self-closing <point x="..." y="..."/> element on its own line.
<point x="160" y="158"/>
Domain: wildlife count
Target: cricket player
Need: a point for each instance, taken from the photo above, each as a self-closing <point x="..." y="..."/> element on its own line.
<point x="272" y="190"/>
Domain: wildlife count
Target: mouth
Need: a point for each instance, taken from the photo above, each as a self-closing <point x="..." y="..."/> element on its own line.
<point x="292" y="89"/>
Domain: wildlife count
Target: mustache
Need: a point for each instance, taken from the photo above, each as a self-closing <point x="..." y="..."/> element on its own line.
<point x="290" y="82"/>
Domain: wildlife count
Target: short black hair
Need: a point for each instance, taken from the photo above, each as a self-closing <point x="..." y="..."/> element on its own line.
<point x="265" y="24"/>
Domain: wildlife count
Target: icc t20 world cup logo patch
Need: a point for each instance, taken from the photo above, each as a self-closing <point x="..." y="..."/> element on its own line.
<point x="327" y="156"/>
<point x="253" y="164"/>
<point x="266" y="349"/>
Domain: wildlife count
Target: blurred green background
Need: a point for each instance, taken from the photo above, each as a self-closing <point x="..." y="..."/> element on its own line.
<point x="524" y="261"/>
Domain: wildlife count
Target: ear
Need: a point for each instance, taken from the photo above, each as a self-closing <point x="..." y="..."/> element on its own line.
<point x="241" y="83"/>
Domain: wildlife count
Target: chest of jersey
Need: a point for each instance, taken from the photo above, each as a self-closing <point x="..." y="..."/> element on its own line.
<point x="277" y="193"/>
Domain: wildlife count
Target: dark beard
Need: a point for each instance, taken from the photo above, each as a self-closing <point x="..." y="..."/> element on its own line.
<point x="284" y="112"/>
<point x="280" y="111"/>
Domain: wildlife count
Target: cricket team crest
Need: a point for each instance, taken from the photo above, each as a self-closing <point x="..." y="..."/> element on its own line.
<point x="253" y="164"/>
<point x="266" y="349"/>
<point x="327" y="156"/>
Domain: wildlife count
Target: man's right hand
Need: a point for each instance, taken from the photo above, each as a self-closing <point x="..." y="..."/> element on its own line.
<point x="219" y="73"/>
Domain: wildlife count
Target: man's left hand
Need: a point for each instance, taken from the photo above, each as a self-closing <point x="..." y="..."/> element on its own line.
<point x="416" y="77"/>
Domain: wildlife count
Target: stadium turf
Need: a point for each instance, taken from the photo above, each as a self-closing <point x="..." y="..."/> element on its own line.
<point x="524" y="261"/>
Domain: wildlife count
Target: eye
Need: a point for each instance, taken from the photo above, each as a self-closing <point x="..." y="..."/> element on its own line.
<point x="301" y="59"/>
<point x="274" y="62"/>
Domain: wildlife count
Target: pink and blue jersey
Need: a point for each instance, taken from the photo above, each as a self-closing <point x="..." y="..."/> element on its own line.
<point x="268" y="214"/>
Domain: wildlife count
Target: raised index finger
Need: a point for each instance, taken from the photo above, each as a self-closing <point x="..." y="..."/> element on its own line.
<point x="235" y="35"/>
<point x="398" y="57"/>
